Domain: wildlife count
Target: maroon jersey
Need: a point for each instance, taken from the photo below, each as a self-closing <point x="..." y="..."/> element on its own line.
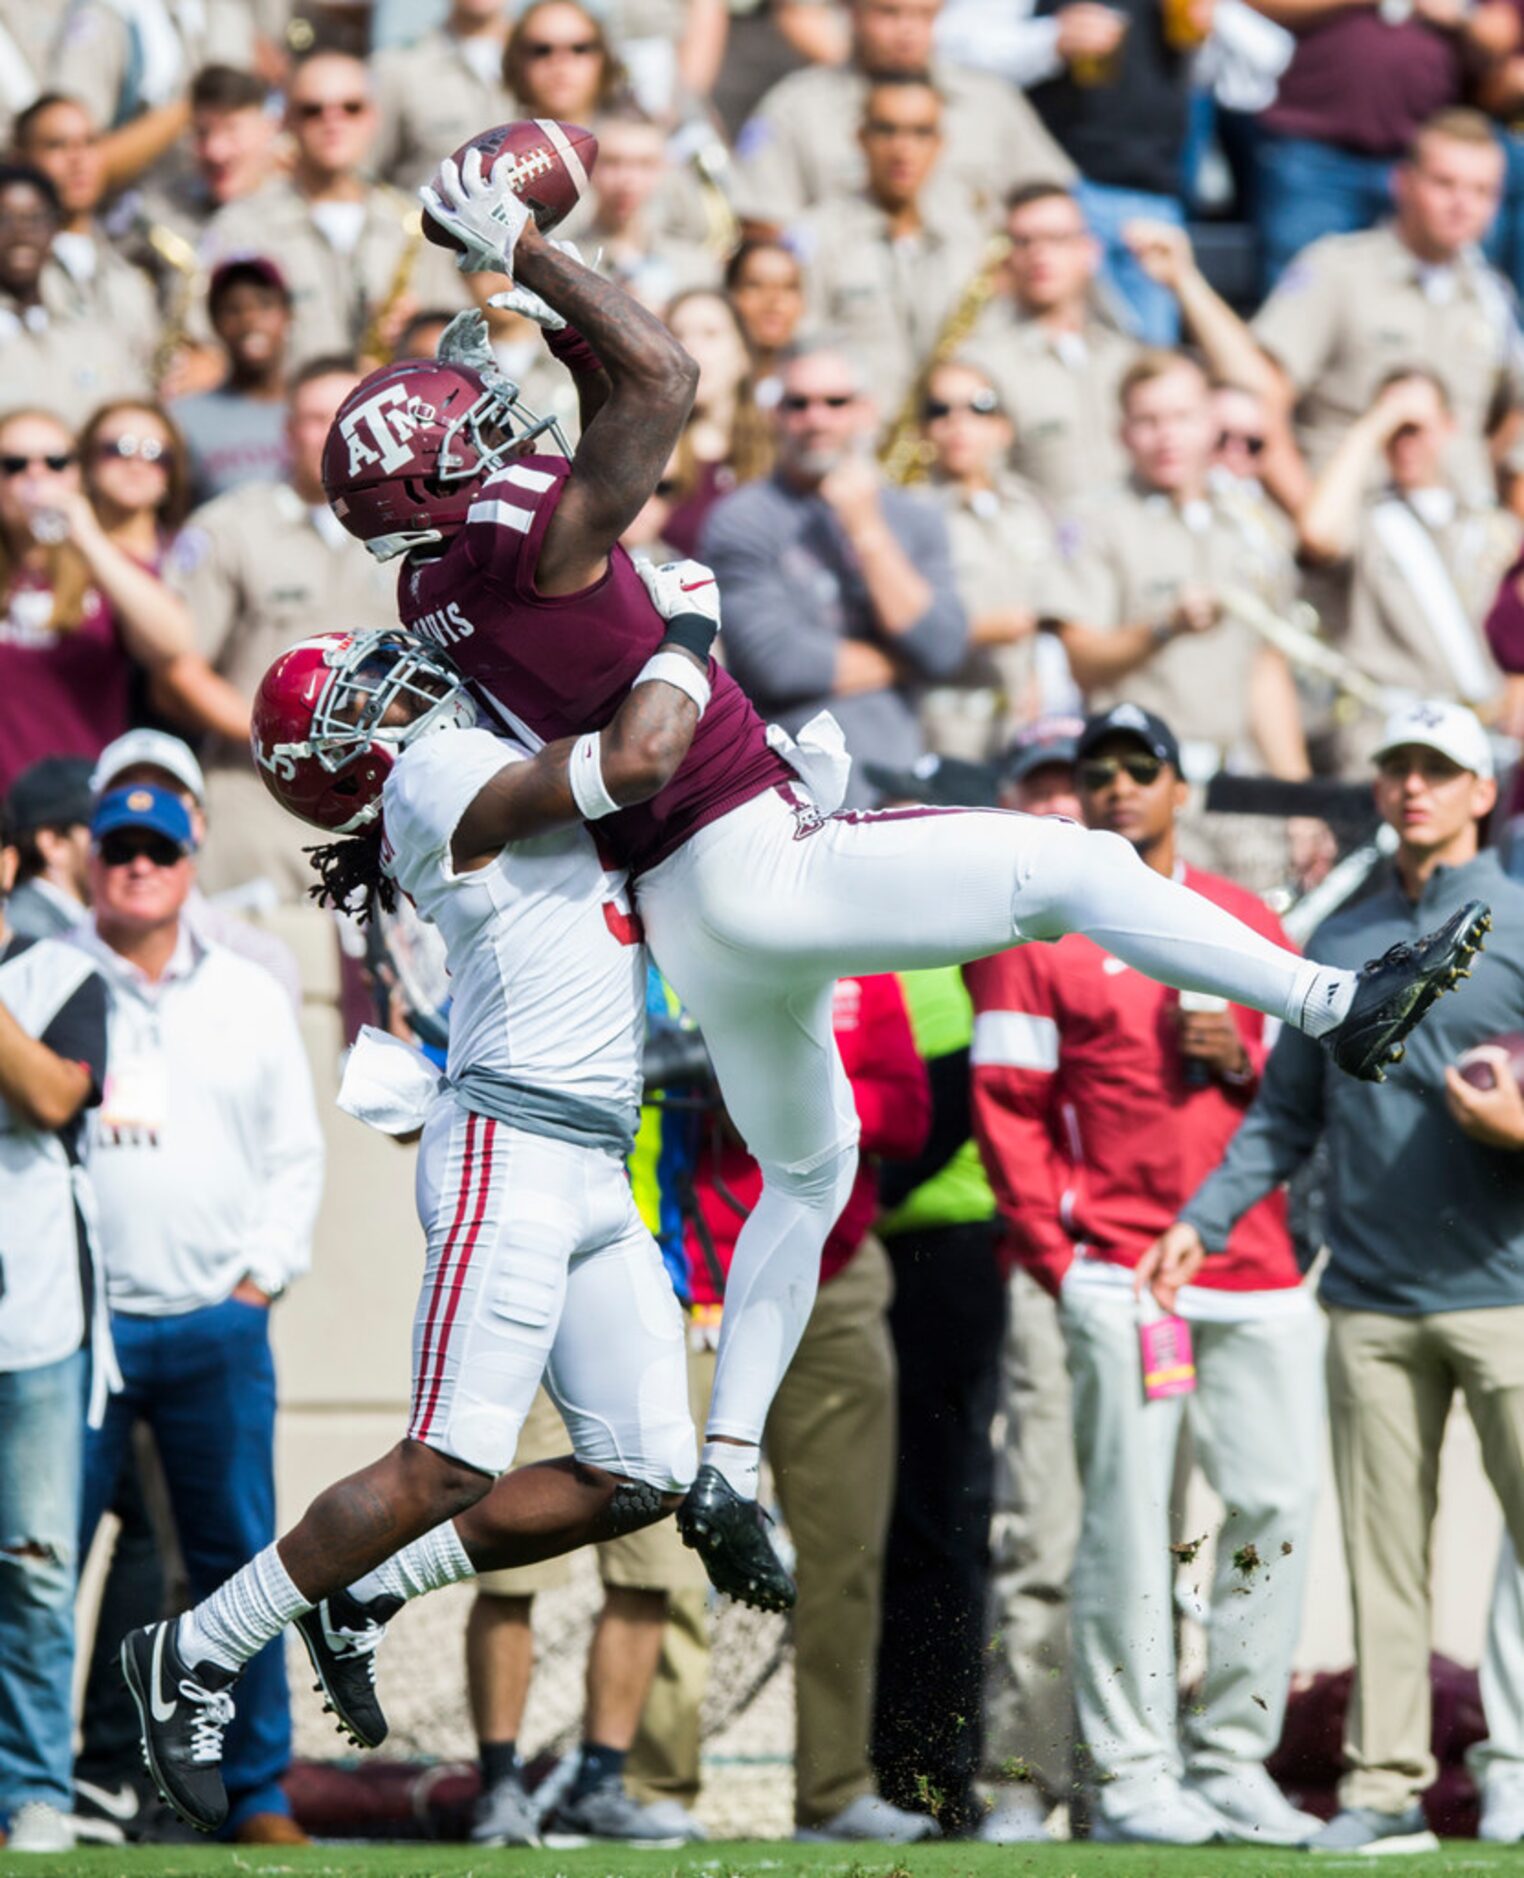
<point x="562" y="664"/>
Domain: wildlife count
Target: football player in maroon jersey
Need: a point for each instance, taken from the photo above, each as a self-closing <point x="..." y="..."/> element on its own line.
<point x="755" y="894"/>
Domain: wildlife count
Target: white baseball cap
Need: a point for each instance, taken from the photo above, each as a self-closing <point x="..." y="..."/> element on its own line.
<point x="1438" y="725"/>
<point x="154" y="749"/>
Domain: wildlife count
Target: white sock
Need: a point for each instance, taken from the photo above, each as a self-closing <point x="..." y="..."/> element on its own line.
<point x="241" y="1616"/>
<point x="428" y="1564"/>
<point x="740" y="1466"/>
<point x="1321" y="999"/>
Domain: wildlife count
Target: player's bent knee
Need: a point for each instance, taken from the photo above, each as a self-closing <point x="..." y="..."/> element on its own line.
<point x="443" y="1480"/>
<point x="822" y="1185"/>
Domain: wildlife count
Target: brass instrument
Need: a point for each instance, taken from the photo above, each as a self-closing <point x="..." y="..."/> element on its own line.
<point x="905" y="453"/>
<point x="1296" y="635"/>
<point x="181" y="258"/>
<point x="373" y="345"/>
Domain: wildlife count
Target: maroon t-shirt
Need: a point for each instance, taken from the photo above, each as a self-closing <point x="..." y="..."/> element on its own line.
<point x="562" y="664"/>
<point x="1363" y="85"/>
<point x="62" y="693"/>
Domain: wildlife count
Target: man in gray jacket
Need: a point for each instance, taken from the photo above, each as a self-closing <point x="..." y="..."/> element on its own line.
<point x="838" y="590"/>
<point x="1424" y="1286"/>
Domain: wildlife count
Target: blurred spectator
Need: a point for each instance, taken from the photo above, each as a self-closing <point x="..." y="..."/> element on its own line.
<point x="260" y="567"/>
<point x="1355" y="308"/>
<point x="838" y="590"/>
<point x="1153" y="564"/>
<point x="727" y="441"/>
<point x="802" y="145"/>
<point x="672" y="51"/>
<point x="1099" y="1099"/>
<point x="1008" y="567"/>
<point x="237" y="433"/>
<point x="1424" y="562"/>
<point x="439" y="91"/>
<point x="886" y="264"/>
<point x="766" y="285"/>
<point x="131" y="69"/>
<point x="68" y="364"/>
<point x="1056" y="362"/>
<point x="559" y="63"/>
<point x="420" y="337"/>
<point x="137" y="476"/>
<point x="87" y="277"/>
<point x="47" y="821"/>
<point x="1425" y="1159"/>
<point x="1118" y="102"/>
<point x="1327" y="148"/>
<point x="350" y="251"/>
<point x="78" y="610"/>
<point x="624" y="236"/>
<point x="1255" y="446"/>
<point x="26" y="32"/>
<point x="52" y="1068"/>
<point x="208" y="1165"/>
<point x="234" y="124"/>
<point x="830" y="1432"/>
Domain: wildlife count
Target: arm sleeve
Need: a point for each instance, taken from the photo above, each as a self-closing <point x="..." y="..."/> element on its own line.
<point x="778" y="652"/>
<point x="769" y="186"/>
<point x="890" y="1085"/>
<point x="78" y="1034"/>
<point x="199" y="569"/>
<point x="427" y="793"/>
<point x="1297" y="324"/>
<point x="1015" y="1054"/>
<point x="938" y="642"/>
<point x="279" y="1244"/>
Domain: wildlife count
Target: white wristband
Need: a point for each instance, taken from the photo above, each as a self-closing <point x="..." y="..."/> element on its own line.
<point x="673" y="669"/>
<point x="585" y="773"/>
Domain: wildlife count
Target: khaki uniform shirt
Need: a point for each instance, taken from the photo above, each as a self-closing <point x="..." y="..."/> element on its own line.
<point x="335" y="294"/>
<point x="1350" y="309"/>
<point x="26" y="37"/>
<point x="1131" y="552"/>
<point x="99" y="59"/>
<point x="257" y="576"/>
<point x="1061" y="394"/>
<point x="430" y="101"/>
<point x="887" y="299"/>
<point x="117" y="295"/>
<point x="63" y="365"/>
<point x="801" y="145"/>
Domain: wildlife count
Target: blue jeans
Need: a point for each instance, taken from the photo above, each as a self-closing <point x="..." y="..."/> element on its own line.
<point x="1150" y="309"/>
<point x="1305" y="190"/>
<point x="1504" y="245"/>
<point x="42" y="1434"/>
<point x="205" y="1383"/>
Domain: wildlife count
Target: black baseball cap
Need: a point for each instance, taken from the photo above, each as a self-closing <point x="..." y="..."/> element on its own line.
<point x="938" y="781"/>
<point x="1049" y="740"/>
<point x="1130" y="720"/>
<point x="52" y="793"/>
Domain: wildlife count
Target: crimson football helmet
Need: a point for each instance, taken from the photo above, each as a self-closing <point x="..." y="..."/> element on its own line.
<point x="333" y="711"/>
<point x="412" y="442"/>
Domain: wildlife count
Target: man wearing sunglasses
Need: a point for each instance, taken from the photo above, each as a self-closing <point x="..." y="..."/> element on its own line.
<point x="208" y="1162"/>
<point x="443" y="88"/>
<point x="1100" y="1101"/>
<point x="337" y="238"/>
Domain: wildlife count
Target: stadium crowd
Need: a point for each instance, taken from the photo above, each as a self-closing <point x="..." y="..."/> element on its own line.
<point x="1111" y="410"/>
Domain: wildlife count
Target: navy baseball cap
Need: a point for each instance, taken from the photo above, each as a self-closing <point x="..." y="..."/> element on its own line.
<point x="1052" y="739"/>
<point x="1130" y="720"/>
<point x="53" y="793"/>
<point x="142" y="806"/>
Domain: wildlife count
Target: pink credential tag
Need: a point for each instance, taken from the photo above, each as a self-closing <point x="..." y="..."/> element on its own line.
<point x="1169" y="1364"/>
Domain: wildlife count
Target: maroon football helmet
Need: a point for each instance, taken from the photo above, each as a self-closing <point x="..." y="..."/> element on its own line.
<point x="411" y="444"/>
<point x="320" y="738"/>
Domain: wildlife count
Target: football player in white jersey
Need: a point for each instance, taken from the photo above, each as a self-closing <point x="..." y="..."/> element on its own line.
<point x="539" y="1266"/>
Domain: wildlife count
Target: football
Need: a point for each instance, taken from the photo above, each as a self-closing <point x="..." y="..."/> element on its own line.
<point x="549" y="176"/>
<point x="1479" y="1073"/>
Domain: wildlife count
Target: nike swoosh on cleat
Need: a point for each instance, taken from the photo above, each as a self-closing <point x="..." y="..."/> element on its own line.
<point x="160" y="1712"/>
<point x="122" y="1804"/>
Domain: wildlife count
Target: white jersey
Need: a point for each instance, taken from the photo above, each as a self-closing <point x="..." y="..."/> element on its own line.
<point x="547" y="968"/>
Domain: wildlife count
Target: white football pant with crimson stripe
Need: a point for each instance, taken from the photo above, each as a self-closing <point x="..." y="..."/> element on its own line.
<point x="540" y="1268"/>
<point x="754" y="918"/>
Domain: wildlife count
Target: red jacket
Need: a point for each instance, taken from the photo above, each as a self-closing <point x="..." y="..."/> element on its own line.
<point x="1091" y="1137"/>
<point x="893" y="1098"/>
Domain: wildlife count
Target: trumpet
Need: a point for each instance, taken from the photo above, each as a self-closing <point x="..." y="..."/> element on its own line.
<point x="373" y="341"/>
<point x="1296" y="635"/>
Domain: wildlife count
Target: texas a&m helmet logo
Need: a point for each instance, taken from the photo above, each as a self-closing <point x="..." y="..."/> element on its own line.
<point x="381" y="430"/>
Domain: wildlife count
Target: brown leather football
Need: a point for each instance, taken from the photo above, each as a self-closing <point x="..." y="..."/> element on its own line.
<point x="550" y="174"/>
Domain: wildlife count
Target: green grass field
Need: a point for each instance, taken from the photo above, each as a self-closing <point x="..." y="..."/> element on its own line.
<point x="742" y="1860"/>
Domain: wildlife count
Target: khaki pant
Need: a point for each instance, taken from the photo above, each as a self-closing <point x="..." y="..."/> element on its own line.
<point x="1028" y="1695"/>
<point x="1391" y="1382"/>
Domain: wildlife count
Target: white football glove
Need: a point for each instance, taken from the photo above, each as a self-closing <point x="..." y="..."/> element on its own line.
<point x="482" y="212"/>
<point x="681" y="587"/>
<point x="464" y="342"/>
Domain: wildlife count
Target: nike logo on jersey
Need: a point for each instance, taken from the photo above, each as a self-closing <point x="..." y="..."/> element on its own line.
<point x="161" y="1713"/>
<point x="446" y="625"/>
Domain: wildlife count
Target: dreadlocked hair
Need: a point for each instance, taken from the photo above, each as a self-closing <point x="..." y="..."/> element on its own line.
<point x="353" y="867"/>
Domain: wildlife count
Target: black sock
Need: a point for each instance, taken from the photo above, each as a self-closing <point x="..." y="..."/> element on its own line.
<point x="597" y="1765"/>
<point x="499" y="1760"/>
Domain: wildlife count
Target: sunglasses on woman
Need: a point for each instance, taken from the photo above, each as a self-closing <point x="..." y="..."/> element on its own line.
<point x="56" y="460"/>
<point x="127" y="446"/>
<point x="980" y="404"/>
<point x="1100" y="772"/>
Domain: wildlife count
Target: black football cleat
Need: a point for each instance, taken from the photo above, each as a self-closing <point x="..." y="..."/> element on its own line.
<point x="342" y="1636"/>
<point x="1394" y="992"/>
<point x="730" y="1536"/>
<point x="183" y="1713"/>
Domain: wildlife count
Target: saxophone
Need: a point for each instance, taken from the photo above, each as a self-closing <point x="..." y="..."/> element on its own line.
<point x="373" y="345"/>
<point x="182" y="260"/>
<point x="904" y="452"/>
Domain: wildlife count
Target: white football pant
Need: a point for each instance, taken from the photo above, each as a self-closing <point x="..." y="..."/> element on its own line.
<point x="754" y="918"/>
